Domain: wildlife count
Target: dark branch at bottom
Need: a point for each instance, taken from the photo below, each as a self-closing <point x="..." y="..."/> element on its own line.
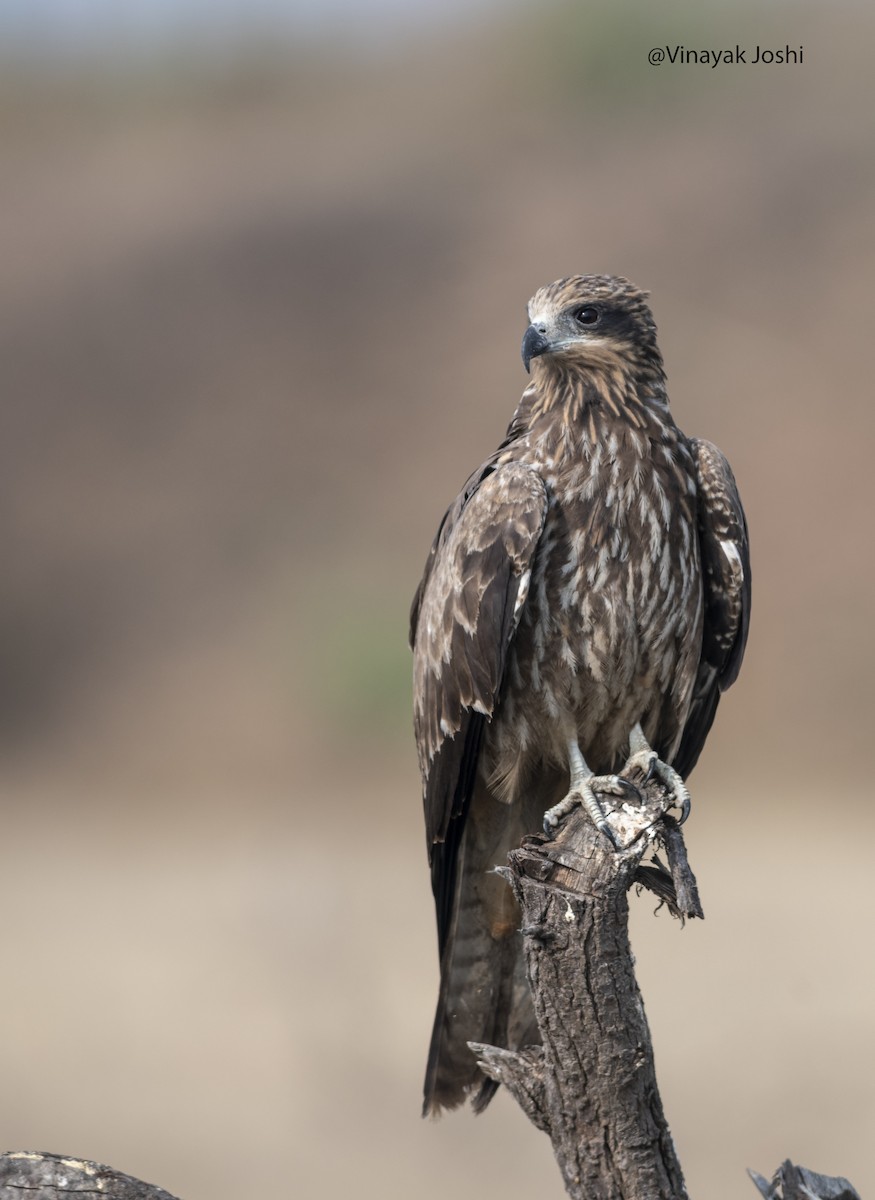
<point x="26" y="1173"/>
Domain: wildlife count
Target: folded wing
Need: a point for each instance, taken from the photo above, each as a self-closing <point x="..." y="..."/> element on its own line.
<point x="725" y="557"/>
<point x="464" y="616"/>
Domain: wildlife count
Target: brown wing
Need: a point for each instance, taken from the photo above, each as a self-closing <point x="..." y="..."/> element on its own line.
<point x="725" y="557"/>
<point x="463" y="619"/>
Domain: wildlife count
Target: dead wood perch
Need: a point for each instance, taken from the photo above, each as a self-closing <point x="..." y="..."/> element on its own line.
<point x="54" y="1177"/>
<point x="591" y="1085"/>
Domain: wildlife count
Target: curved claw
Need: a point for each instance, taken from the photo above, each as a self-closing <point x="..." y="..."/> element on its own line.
<point x="605" y="828"/>
<point x="645" y="758"/>
<point x="629" y="787"/>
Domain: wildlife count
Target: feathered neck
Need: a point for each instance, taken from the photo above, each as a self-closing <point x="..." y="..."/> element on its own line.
<point x="577" y="404"/>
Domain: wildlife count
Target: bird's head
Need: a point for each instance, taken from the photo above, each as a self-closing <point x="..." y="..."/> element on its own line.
<point x="591" y="321"/>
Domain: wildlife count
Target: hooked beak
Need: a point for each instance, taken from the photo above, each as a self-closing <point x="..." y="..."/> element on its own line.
<point x="535" y="343"/>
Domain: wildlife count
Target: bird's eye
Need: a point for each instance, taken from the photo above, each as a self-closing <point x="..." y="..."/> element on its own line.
<point x="586" y="315"/>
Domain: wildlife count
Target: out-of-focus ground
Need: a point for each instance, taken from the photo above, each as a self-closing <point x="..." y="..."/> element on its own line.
<point x="259" y="319"/>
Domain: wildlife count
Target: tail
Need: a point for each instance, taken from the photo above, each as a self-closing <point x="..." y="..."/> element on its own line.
<point x="484" y="995"/>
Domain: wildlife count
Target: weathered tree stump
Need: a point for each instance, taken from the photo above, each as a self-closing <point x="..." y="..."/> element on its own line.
<point x="591" y="1085"/>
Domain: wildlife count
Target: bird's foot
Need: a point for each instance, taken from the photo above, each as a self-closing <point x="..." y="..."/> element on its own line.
<point x="648" y="761"/>
<point x="583" y="792"/>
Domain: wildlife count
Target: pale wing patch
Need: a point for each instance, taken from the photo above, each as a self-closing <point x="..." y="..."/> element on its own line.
<point x="731" y="551"/>
<point x="522" y="592"/>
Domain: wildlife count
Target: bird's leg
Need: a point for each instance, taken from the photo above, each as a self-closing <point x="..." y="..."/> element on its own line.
<point x="642" y="755"/>
<point x="582" y="790"/>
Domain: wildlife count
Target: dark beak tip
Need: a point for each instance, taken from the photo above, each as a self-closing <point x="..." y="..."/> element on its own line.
<point x="534" y="344"/>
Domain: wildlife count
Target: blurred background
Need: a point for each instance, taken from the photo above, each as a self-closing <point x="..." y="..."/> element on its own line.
<point x="264" y="268"/>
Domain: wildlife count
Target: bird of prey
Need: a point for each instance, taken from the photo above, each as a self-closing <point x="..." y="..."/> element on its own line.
<point x="585" y="600"/>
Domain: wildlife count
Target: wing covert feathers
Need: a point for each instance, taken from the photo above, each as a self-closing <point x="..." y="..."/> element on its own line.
<point x="464" y="616"/>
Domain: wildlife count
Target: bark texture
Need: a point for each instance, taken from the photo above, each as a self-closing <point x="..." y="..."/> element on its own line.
<point x="54" y="1177"/>
<point x="591" y="1085"/>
